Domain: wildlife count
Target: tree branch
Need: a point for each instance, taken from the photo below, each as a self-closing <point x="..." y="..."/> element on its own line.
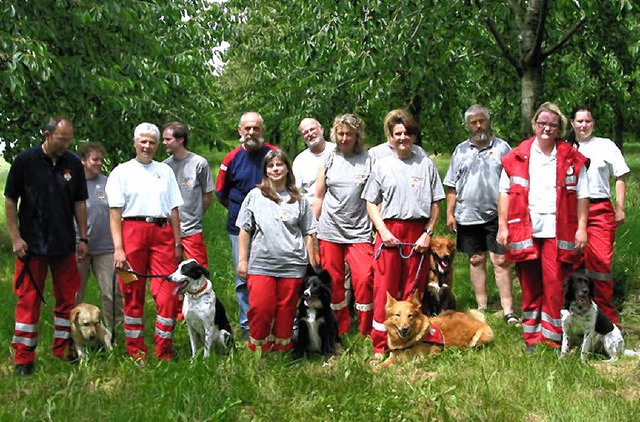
<point x="516" y="9"/>
<point x="503" y="45"/>
<point x="564" y="39"/>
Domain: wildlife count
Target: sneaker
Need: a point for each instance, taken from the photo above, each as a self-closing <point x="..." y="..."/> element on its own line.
<point x="530" y="349"/>
<point x="24" y="368"/>
<point x="511" y="319"/>
<point x="245" y="334"/>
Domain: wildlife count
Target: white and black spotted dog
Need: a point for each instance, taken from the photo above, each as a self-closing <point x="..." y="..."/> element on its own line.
<point x="204" y="314"/>
<point x="583" y="322"/>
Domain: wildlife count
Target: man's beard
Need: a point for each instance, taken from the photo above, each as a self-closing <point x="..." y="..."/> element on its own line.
<point x="481" y="137"/>
<point x="314" y="143"/>
<point x="251" y="143"/>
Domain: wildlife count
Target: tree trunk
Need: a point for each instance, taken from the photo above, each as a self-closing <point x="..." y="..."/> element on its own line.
<point x="531" y="92"/>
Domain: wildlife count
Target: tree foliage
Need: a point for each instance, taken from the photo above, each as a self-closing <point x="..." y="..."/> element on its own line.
<point x="108" y="65"/>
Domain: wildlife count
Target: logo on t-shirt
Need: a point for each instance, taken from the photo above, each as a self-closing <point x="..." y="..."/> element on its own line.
<point x="67" y="174"/>
<point x="415" y="182"/>
<point x="284" y="215"/>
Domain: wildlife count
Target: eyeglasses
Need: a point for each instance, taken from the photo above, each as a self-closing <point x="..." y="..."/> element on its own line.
<point x="542" y="125"/>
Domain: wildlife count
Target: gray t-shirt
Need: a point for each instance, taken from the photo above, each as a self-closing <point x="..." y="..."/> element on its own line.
<point x="100" y="241"/>
<point x="278" y="247"/>
<point x="344" y="217"/>
<point x="475" y="175"/>
<point x="194" y="179"/>
<point x="405" y="188"/>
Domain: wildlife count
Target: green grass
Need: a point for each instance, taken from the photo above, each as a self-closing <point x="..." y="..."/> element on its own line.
<point x="496" y="383"/>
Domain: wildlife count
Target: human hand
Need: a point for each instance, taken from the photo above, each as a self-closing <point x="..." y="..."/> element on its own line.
<point x="242" y="269"/>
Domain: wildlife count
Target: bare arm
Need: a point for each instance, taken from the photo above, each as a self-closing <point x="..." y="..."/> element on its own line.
<point x="321" y="190"/>
<point x="581" y="233"/>
<point x="80" y="209"/>
<point x="207" y="200"/>
<point x="115" y="224"/>
<point x="376" y="218"/>
<point x="243" y="253"/>
<point x="18" y="245"/>
<point x="451" y="208"/>
<point x="503" y="212"/>
<point x="621" y="190"/>
<point x="311" y="251"/>
<point x="174" y="221"/>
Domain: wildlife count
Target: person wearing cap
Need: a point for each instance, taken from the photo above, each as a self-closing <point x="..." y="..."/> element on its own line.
<point x="145" y="226"/>
<point x="48" y="181"/>
<point x="240" y="171"/>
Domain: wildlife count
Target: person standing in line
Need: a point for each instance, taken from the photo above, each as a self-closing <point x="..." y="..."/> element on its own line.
<point x="277" y="225"/>
<point x="403" y="197"/>
<point x="240" y="171"/>
<point x="543" y="202"/>
<point x="49" y="183"/>
<point x="606" y="163"/>
<point x="344" y="227"/>
<point x="306" y="164"/>
<point x="145" y="226"/>
<point x="100" y="256"/>
<point x="196" y="186"/>
<point x="472" y="207"/>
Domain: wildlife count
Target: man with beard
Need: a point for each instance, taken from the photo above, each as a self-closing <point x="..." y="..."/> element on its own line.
<point x="306" y="164"/>
<point x="240" y="171"/>
<point x="472" y="206"/>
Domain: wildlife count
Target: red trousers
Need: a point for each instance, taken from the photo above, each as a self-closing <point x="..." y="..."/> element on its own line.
<point x="66" y="282"/>
<point x="272" y="309"/>
<point x="397" y="275"/>
<point x="598" y="255"/>
<point x="194" y="248"/>
<point x="150" y="250"/>
<point x="359" y="256"/>
<point x="541" y="282"/>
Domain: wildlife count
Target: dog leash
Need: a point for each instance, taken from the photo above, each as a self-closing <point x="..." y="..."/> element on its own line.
<point x="403" y="256"/>
<point x="27" y="269"/>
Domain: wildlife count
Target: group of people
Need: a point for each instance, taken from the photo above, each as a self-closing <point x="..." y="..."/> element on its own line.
<point x="367" y="217"/>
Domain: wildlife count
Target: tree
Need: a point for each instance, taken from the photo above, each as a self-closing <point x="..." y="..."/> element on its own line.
<point x="108" y="66"/>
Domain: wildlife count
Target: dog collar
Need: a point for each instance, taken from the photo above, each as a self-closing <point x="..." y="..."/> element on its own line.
<point x="202" y="289"/>
<point x="433" y="335"/>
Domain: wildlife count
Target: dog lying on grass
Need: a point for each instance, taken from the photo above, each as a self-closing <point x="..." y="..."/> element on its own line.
<point x="204" y="314"/>
<point x="438" y="295"/>
<point x="317" y="324"/>
<point x="584" y="323"/>
<point x="87" y="330"/>
<point x="411" y="334"/>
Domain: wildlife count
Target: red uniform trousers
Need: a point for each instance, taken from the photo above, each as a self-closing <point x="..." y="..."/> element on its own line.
<point x="194" y="248"/>
<point x="541" y="282"/>
<point x="150" y="250"/>
<point x="598" y="255"/>
<point x="397" y="275"/>
<point x="359" y="256"/>
<point x="272" y="308"/>
<point x="66" y="282"/>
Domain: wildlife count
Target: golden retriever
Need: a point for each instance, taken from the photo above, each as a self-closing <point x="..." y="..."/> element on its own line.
<point x="410" y="333"/>
<point x="438" y="294"/>
<point x="87" y="330"/>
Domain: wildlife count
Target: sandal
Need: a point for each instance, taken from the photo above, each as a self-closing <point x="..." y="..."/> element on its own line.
<point x="511" y="319"/>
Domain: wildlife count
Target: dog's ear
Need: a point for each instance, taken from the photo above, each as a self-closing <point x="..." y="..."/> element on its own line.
<point x="73" y="315"/>
<point x="325" y="277"/>
<point x="203" y="271"/>
<point x="97" y="315"/>
<point x="390" y="302"/>
<point x="568" y="291"/>
<point x="415" y="299"/>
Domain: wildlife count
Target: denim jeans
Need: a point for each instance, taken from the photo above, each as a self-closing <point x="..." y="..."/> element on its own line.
<point x="242" y="293"/>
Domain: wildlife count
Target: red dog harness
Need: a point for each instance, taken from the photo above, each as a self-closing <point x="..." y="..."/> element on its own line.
<point x="433" y="335"/>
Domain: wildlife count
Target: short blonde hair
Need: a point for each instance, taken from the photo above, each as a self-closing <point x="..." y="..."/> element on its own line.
<point x="551" y="108"/>
<point x="354" y="123"/>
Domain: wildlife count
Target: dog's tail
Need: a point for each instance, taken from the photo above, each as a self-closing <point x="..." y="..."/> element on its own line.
<point x="476" y="314"/>
<point x="632" y="353"/>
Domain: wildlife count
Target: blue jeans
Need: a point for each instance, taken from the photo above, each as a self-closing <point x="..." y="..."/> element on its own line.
<point x="242" y="293"/>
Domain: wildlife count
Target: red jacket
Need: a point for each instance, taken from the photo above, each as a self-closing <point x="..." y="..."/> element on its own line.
<point x="569" y="161"/>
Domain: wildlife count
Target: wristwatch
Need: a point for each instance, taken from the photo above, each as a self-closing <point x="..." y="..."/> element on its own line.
<point x="84" y="239"/>
<point x="428" y="231"/>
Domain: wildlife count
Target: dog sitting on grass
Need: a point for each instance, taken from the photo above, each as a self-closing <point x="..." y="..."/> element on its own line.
<point x="412" y="334"/>
<point x="317" y="323"/>
<point x="438" y="294"/>
<point x="87" y="330"/>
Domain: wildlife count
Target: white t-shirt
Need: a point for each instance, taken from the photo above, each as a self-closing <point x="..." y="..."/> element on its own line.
<point x="305" y="169"/>
<point x="143" y="189"/>
<point x="607" y="162"/>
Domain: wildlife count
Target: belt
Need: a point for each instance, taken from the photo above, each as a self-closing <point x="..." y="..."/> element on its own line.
<point x="597" y="200"/>
<point x="160" y="221"/>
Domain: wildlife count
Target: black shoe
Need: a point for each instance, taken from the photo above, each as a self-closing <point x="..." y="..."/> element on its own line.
<point x="73" y="359"/>
<point x="530" y="349"/>
<point x="245" y="334"/>
<point x="24" y="368"/>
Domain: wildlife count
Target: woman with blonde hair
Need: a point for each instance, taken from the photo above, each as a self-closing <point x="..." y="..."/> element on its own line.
<point x="344" y="228"/>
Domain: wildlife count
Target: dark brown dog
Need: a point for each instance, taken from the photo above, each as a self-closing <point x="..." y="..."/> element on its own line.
<point x="411" y="334"/>
<point x="438" y="294"/>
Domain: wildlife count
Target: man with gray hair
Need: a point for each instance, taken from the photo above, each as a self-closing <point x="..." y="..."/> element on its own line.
<point x="240" y="171"/>
<point x="472" y="206"/>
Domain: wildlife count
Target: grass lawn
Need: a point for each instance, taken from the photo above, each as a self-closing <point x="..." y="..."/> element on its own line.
<point x="495" y="383"/>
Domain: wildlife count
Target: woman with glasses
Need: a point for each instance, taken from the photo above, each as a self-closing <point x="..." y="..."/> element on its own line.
<point x="543" y="203"/>
<point x="344" y="228"/>
<point x="403" y="195"/>
<point x="606" y="163"/>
